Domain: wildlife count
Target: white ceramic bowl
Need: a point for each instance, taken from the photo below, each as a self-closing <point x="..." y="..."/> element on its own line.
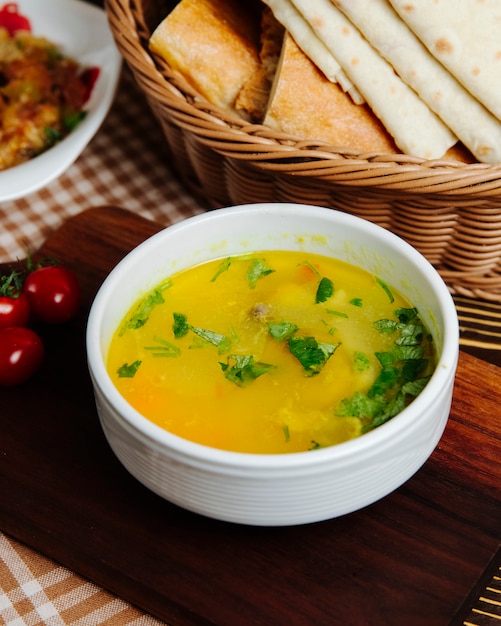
<point x="284" y="489"/>
<point x="81" y="31"/>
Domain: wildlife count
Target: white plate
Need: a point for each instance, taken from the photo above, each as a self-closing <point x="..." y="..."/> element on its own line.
<point x="81" y="31"/>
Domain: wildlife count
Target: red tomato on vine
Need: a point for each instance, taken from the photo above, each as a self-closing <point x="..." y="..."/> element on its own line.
<point x="21" y="355"/>
<point x="53" y="293"/>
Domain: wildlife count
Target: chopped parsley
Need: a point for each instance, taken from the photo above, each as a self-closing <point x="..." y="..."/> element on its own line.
<point x="287" y="434"/>
<point x="222" y="342"/>
<point x="325" y="290"/>
<point x="242" y="370"/>
<point x="361" y="362"/>
<point x="338" y="313"/>
<point x="180" y="327"/>
<point x="386" y="289"/>
<point x="312" y="354"/>
<point x="258" y="269"/>
<point x="128" y="370"/>
<point x="163" y="348"/>
<point x="401" y="375"/>
<point x="223" y="267"/>
<point x="281" y="331"/>
<point x="143" y="310"/>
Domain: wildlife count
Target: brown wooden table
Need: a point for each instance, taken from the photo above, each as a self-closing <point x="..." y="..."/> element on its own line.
<point x="410" y="559"/>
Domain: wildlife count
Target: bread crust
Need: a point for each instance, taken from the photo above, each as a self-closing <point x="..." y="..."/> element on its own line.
<point x="305" y="104"/>
<point x="214" y="44"/>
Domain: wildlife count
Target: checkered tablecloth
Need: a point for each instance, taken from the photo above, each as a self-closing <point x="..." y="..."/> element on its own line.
<point x="124" y="165"/>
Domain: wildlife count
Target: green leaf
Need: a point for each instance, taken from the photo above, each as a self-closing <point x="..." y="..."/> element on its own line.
<point x="224" y="266"/>
<point x="386" y="378"/>
<point x="412" y="368"/>
<point x="410" y="335"/>
<point x="128" y="371"/>
<point x="11" y="285"/>
<point x="222" y="343"/>
<point x="180" y="327"/>
<point x="337" y="313"/>
<point x="361" y="362"/>
<point x="73" y="119"/>
<point x="312" y="355"/>
<point x="386" y="326"/>
<point x="399" y="353"/>
<point x="356" y="302"/>
<point x="280" y="331"/>
<point x="287" y="434"/>
<point x="244" y="369"/>
<point x="52" y="136"/>
<point x="143" y="310"/>
<point x="414" y="388"/>
<point x="406" y="315"/>
<point x="325" y="290"/>
<point x="163" y="348"/>
<point x="360" y="405"/>
<point x="258" y="269"/>
<point x="385" y="288"/>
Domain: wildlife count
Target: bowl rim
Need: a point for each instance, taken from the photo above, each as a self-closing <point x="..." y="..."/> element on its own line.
<point x="373" y="442"/>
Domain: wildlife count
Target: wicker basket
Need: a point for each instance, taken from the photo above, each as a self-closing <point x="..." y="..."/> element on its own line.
<point x="449" y="211"/>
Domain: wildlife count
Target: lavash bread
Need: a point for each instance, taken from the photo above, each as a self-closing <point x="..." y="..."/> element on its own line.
<point x="294" y="107"/>
<point x="465" y="37"/>
<point x="228" y="51"/>
<point x="471" y="122"/>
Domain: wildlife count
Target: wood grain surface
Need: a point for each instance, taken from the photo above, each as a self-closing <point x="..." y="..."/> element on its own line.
<point x="411" y="558"/>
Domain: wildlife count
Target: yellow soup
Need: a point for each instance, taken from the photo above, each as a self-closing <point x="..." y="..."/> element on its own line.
<point x="271" y="352"/>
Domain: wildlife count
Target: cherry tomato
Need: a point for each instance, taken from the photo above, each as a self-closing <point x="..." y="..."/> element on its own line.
<point x="53" y="293"/>
<point x="14" y="310"/>
<point x="21" y="354"/>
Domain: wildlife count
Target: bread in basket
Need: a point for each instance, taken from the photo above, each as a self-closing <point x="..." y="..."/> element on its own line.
<point x="448" y="209"/>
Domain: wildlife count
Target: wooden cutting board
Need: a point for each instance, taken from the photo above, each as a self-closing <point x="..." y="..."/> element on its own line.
<point x="411" y="558"/>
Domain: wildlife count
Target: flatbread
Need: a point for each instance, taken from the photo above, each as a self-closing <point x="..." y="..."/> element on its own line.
<point x="473" y="124"/>
<point x="294" y="108"/>
<point x="285" y="12"/>
<point x="416" y="129"/>
<point x="465" y="36"/>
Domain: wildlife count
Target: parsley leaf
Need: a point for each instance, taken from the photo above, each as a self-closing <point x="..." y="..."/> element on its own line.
<point x="163" y="348"/>
<point x="406" y="315"/>
<point x="280" y="331"/>
<point x="180" y="327"/>
<point x="224" y="266"/>
<point x="258" y="269"/>
<point x="144" y="309"/>
<point x="244" y="369"/>
<point x="222" y="343"/>
<point x="411" y="335"/>
<point x="338" y="313"/>
<point x="312" y="355"/>
<point x="128" y="370"/>
<point x="361" y="362"/>
<point x="325" y="290"/>
<point x="386" y="289"/>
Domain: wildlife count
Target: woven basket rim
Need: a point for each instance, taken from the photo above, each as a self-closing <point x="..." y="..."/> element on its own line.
<point x="268" y="149"/>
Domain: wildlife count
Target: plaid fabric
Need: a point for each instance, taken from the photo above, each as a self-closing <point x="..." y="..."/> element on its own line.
<point x="36" y="591"/>
<point x="124" y="165"/>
